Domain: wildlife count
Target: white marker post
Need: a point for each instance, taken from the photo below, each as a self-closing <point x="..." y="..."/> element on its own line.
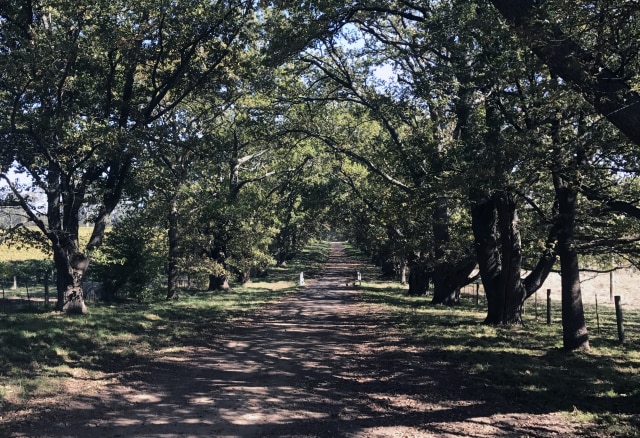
<point x="302" y="279"/>
<point x="359" y="279"/>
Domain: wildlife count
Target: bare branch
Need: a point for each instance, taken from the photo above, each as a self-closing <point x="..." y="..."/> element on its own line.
<point x="25" y="205"/>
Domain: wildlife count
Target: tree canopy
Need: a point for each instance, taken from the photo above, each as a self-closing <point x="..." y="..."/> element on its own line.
<point x="448" y="139"/>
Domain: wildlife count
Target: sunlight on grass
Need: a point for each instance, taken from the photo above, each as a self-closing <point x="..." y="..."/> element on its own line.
<point x="151" y="317"/>
<point x="527" y="363"/>
<point x="274" y="286"/>
<point x="11" y="251"/>
<point x="39" y="348"/>
<point x="523" y="364"/>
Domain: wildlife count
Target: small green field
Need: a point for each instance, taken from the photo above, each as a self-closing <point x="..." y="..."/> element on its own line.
<point x="22" y="269"/>
<point x="15" y="251"/>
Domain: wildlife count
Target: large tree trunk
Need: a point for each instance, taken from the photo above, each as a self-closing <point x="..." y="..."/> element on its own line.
<point x="496" y="232"/>
<point x="483" y="222"/>
<point x="281" y="258"/>
<point x="172" y="277"/>
<point x="574" y="329"/>
<point x="510" y="283"/>
<point x="70" y="268"/>
<point x="449" y="283"/>
<point x="418" y="280"/>
<point x="388" y="267"/>
<point x="70" y="264"/>
<point x="448" y="275"/>
<point x="244" y="276"/>
<point x="443" y="292"/>
<point x="218" y="282"/>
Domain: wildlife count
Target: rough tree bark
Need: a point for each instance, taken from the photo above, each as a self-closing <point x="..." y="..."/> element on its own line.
<point x="574" y="329"/>
<point x="218" y="282"/>
<point x="63" y="207"/>
<point x="172" y="277"/>
<point x="497" y="238"/>
<point x="448" y="276"/>
<point x="451" y="279"/>
<point x="70" y="269"/>
<point x="483" y="223"/>
<point x="510" y="283"/>
<point x="443" y="290"/>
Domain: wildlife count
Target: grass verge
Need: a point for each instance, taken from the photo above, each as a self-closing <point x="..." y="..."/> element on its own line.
<point x="526" y="365"/>
<point x="40" y="349"/>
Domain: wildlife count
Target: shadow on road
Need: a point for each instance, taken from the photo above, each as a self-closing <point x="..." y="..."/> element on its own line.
<point x="316" y="364"/>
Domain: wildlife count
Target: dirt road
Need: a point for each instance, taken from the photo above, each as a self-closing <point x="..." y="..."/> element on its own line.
<point x="317" y="364"/>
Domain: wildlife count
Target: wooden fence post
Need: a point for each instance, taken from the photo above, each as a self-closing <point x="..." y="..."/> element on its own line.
<point x="46" y="288"/>
<point x="611" y="286"/>
<point x="597" y="314"/>
<point x="619" y="319"/>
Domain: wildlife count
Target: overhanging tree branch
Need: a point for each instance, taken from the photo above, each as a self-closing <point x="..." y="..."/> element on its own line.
<point x="25" y="205"/>
<point x="616" y="205"/>
<point x="609" y="93"/>
<point x="357" y="157"/>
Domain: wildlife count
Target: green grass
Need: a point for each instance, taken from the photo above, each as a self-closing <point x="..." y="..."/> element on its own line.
<point x="354" y="253"/>
<point x="526" y="364"/>
<point x="39" y="347"/>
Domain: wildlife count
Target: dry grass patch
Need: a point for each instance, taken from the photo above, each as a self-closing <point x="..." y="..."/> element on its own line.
<point x="274" y="286"/>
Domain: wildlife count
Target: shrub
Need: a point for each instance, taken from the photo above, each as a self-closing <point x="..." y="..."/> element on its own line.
<point x="131" y="263"/>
